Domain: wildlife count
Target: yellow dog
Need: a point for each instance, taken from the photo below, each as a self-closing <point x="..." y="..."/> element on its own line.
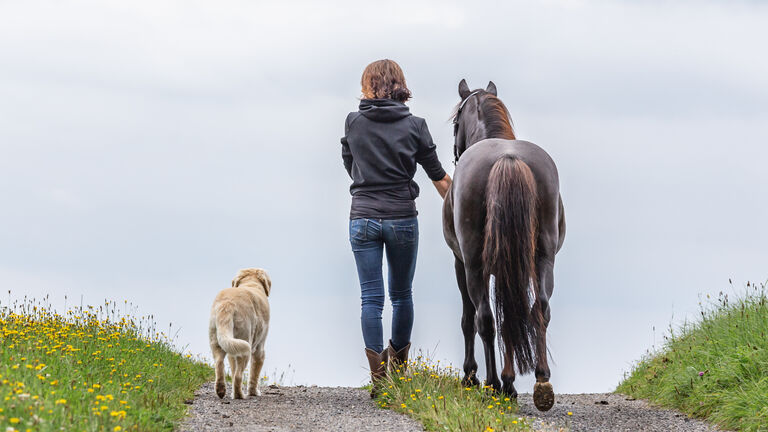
<point x="238" y="328"/>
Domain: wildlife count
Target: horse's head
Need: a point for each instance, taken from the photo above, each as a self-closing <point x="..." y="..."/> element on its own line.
<point x="478" y="116"/>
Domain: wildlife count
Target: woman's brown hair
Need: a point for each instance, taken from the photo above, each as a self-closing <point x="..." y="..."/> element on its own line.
<point x="383" y="79"/>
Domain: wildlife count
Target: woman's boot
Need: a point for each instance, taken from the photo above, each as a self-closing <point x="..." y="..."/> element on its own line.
<point x="398" y="359"/>
<point x="378" y="364"/>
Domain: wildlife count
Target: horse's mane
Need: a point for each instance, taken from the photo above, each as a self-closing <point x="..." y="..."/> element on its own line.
<point x="498" y="122"/>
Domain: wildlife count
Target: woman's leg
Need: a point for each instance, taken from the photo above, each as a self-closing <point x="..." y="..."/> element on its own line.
<point x="401" y="237"/>
<point x="367" y="246"/>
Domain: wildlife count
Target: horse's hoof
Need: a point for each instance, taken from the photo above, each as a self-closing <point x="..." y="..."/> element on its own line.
<point x="543" y="396"/>
<point x="470" y="381"/>
<point x="221" y="390"/>
<point x="509" y="390"/>
<point x="493" y="385"/>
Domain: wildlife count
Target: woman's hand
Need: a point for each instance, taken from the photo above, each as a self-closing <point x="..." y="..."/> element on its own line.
<point x="443" y="185"/>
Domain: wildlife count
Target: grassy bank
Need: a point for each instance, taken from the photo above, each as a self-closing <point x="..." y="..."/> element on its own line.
<point x="91" y="369"/>
<point x="715" y="368"/>
<point x="434" y="396"/>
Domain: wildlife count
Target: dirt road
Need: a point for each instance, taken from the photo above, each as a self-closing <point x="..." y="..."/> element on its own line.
<point x="282" y="409"/>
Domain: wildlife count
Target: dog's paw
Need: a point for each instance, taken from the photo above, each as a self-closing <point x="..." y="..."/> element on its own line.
<point x="257" y="392"/>
<point x="237" y="395"/>
<point x="221" y="390"/>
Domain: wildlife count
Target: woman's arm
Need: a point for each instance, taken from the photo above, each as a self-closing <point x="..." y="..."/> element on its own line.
<point x="346" y="154"/>
<point x="427" y="157"/>
<point x="443" y="185"/>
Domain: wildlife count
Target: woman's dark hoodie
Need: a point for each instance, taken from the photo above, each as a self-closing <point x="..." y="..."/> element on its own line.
<point x="381" y="145"/>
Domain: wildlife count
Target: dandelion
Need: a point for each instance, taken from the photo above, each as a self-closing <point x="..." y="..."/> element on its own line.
<point x="570" y="413"/>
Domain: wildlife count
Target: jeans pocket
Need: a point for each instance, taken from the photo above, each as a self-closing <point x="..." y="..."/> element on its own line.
<point x="405" y="233"/>
<point x="358" y="229"/>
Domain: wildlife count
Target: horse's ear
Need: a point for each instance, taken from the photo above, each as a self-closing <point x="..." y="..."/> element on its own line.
<point x="491" y="88"/>
<point x="464" y="89"/>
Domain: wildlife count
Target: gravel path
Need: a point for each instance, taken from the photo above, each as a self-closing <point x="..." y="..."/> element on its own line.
<point x="608" y="412"/>
<point x="282" y="409"/>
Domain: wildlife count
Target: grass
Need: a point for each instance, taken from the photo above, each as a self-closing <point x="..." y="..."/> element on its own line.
<point x="435" y="396"/>
<point x="715" y="368"/>
<point x="91" y="369"/>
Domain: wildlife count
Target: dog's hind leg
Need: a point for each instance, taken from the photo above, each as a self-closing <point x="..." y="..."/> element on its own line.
<point x="232" y="371"/>
<point x="237" y="376"/>
<point x="218" y="359"/>
<point x="257" y="361"/>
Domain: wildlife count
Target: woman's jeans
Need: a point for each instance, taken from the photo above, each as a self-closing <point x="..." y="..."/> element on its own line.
<point x="400" y="238"/>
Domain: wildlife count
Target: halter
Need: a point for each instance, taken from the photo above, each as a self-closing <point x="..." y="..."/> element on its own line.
<point x="456" y="126"/>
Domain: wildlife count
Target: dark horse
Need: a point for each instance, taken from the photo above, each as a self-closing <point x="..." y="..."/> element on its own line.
<point x="503" y="217"/>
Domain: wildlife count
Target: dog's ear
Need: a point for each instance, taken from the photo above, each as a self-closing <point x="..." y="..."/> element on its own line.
<point x="266" y="281"/>
<point x="239" y="278"/>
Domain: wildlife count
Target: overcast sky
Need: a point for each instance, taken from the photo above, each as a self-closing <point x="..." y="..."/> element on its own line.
<point x="149" y="150"/>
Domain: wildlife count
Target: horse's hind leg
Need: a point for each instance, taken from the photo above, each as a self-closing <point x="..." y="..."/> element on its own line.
<point x="546" y="284"/>
<point x="477" y="288"/>
<point x="467" y="327"/>
<point x="508" y="373"/>
<point x="543" y="394"/>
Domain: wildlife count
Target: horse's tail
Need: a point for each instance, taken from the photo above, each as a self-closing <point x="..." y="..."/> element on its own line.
<point x="225" y="316"/>
<point x="508" y="254"/>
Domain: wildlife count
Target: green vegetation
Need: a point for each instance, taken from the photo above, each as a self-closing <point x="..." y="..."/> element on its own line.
<point x="91" y="369"/>
<point x="434" y="396"/>
<point x="716" y="368"/>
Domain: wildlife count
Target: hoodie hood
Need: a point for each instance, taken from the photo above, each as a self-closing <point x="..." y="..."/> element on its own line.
<point x="383" y="110"/>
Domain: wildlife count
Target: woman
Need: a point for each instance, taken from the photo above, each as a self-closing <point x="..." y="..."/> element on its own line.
<point x="383" y="143"/>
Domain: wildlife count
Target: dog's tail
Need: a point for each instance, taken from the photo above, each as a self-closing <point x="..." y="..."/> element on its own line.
<point x="225" y="317"/>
